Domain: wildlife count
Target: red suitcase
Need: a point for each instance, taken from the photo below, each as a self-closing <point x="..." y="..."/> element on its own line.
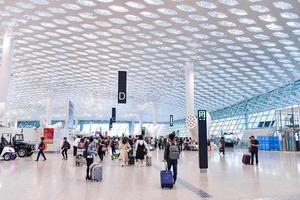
<point x="246" y="159"/>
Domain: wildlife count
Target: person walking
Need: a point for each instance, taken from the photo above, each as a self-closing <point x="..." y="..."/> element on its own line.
<point x="254" y="149"/>
<point x="75" y="145"/>
<point x="65" y="147"/>
<point x="101" y="148"/>
<point x="181" y="143"/>
<point x="89" y="157"/>
<point x="125" y="148"/>
<point x="42" y="146"/>
<point x="222" y="145"/>
<point x="141" y="150"/>
<point x="171" y="155"/>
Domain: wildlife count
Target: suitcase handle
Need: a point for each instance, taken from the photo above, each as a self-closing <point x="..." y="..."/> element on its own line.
<point x="165" y="165"/>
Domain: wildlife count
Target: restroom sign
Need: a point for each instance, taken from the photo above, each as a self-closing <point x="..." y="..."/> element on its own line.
<point x="202" y="115"/>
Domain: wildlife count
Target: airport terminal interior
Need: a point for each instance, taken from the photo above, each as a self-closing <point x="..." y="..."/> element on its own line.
<point x="150" y="99"/>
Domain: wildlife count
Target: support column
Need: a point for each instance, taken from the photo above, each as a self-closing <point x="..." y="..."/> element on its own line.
<point x="140" y="124"/>
<point x="154" y="120"/>
<point x="131" y="127"/>
<point x="246" y="121"/>
<point x="154" y="114"/>
<point x="49" y="110"/>
<point x="7" y="50"/>
<point x="189" y="95"/>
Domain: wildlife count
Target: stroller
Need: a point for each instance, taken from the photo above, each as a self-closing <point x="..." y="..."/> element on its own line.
<point x="115" y="154"/>
<point x="79" y="160"/>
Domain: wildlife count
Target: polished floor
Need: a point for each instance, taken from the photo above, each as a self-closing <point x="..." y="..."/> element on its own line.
<point x="276" y="177"/>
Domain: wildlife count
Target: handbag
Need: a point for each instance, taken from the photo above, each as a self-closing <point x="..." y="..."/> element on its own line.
<point x="145" y="151"/>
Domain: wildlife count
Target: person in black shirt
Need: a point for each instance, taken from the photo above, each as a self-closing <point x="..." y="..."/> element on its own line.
<point x="254" y="149"/>
<point x="222" y="145"/>
<point x="64" y="148"/>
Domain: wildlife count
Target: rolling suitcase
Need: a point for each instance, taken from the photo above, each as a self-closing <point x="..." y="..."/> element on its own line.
<point x="166" y="179"/>
<point x="131" y="160"/>
<point x="246" y="159"/>
<point x="96" y="172"/>
<point x="148" y="161"/>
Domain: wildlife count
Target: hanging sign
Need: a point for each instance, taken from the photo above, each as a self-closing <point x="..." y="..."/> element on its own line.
<point x="122" y="86"/>
<point x="113" y="114"/>
<point x="171" y="120"/>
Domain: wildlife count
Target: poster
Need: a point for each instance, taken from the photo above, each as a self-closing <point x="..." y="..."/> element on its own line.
<point x="49" y="135"/>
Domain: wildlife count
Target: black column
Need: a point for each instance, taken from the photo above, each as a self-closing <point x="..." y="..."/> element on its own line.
<point x="202" y="139"/>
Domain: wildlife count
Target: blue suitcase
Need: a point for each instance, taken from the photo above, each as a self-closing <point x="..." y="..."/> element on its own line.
<point x="166" y="179"/>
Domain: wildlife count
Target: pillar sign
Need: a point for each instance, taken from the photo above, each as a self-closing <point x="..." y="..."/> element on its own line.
<point x="122" y="86"/>
<point x="171" y="120"/>
<point x="113" y="114"/>
<point x="202" y="139"/>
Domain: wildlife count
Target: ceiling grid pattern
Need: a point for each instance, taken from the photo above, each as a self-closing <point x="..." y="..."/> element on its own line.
<point x="74" y="48"/>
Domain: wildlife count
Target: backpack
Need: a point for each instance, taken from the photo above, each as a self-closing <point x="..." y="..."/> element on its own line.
<point x="84" y="153"/>
<point x="68" y="145"/>
<point x="42" y="146"/>
<point x="174" y="152"/>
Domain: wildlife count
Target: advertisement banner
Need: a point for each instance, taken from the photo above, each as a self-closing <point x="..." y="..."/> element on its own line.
<point x="49" y="135"/>
<point x="70" y="119"/>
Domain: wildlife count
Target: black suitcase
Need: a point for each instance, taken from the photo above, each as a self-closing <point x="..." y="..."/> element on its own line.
<point x="131" y="160"/>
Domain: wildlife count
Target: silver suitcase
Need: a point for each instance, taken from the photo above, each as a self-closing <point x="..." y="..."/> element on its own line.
<point x="96" y="172"/>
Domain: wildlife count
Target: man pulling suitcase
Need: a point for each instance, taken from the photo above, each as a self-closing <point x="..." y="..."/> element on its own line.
<point x="171" y="155"/>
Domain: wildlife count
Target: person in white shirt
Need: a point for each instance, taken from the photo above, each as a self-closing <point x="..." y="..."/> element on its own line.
<point x="75" y="145"/>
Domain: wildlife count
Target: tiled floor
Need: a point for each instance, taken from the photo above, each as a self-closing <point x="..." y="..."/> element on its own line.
<point x="276" y="177"/>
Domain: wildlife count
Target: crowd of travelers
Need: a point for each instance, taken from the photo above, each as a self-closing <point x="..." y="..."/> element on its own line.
<point x="135" y="149"/>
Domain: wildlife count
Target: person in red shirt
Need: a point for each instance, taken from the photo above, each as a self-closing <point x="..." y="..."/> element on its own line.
<point x="41" y="148"/>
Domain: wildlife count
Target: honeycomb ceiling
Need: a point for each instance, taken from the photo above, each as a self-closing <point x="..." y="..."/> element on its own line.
<point x="72" y="49"/>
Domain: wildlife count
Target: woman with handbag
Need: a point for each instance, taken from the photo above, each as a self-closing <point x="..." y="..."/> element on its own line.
<point x="141" y="150"/>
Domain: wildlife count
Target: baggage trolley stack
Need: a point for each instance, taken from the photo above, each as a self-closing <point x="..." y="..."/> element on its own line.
<point x="80" y="160"/>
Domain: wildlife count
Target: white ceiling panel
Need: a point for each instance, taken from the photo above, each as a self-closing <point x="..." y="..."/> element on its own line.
<point x="73" y="49"/>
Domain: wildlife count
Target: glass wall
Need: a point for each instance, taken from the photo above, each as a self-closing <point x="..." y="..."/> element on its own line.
<point x="242" y="122"/>
<point x="118" y="128"/>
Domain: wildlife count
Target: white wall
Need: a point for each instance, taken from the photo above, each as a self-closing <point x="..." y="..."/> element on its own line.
<point x="33" y="135"/>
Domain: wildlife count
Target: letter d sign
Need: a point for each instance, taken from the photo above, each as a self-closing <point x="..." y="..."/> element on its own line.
<point x="122" y="86"/>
